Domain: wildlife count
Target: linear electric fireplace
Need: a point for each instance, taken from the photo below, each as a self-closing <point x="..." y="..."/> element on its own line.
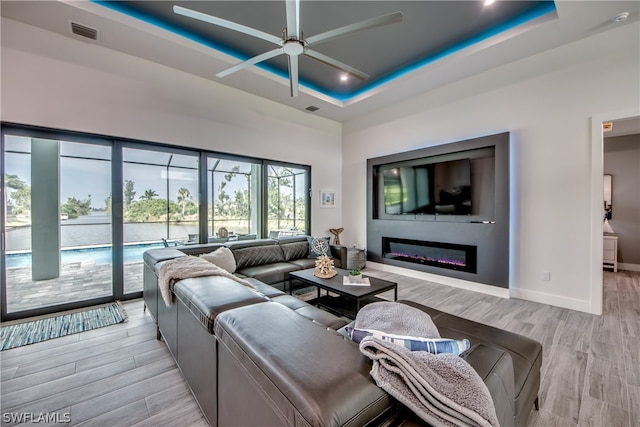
<point x="444" y="255"/>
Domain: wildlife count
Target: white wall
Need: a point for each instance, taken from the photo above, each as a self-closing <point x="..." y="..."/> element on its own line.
<point x="55" y="81"/>
<point x="549" y="116"/>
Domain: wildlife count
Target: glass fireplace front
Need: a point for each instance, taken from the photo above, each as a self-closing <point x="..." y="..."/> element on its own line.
<point x="438" y="254"/>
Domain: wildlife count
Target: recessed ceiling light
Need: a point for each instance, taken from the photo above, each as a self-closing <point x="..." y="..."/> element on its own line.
<point x="621" y="17"/>
<point x="344" y="77"/>
<point x="488" y="2"/>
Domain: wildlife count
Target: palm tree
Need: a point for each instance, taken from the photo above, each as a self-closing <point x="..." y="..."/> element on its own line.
<point x="129" y="194"/>
<point x="13" y="181"/>
<point x="184" y="197"/>
<point x="149" y="195"/>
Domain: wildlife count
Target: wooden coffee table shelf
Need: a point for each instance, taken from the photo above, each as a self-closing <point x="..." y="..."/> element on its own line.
<point x="350" y="299"/>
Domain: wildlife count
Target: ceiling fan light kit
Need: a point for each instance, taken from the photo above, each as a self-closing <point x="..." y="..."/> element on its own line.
<point x="293" y="48"/>
<point x="292" y="43"/>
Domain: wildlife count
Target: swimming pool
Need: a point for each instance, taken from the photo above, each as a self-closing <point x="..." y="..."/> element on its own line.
<point x="101" y="255"/>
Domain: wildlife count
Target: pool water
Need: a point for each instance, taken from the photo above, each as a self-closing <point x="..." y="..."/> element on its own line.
<point x="101" y="255"/>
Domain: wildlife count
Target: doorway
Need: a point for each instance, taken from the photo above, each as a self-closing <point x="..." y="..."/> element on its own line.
<point x="597" y="200"/>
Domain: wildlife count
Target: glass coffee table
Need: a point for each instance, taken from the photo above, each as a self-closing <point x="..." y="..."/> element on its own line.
<point x="347" y="299"/>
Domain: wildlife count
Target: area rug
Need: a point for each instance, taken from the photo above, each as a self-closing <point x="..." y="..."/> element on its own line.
<point x="25" y="333"/>
<point x="305" y="293"/>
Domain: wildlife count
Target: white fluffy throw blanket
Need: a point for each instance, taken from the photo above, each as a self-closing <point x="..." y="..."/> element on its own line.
<point x="442" y="389"/>
<point x="187" y="267"/>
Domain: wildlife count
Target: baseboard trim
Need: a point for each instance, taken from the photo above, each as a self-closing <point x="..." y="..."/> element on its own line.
<point x="443" y="280"/>
<point x="552" y="299"/>
<point x="628" y="267"/>
<point x="528" y="295"/>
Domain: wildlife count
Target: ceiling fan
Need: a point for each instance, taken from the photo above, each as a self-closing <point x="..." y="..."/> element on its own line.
<point x="292" y="42"/>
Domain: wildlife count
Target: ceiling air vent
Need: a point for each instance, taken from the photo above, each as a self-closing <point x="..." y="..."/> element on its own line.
<point x="312" y="108"/>
<point x="83" y="31"/>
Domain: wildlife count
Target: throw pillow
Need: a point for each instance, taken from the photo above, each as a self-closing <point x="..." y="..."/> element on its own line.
<point x="223" y="258"/>
<point x="318" y="246"/>
<point x="432" y="345"/>
<point x="396" y="318"/>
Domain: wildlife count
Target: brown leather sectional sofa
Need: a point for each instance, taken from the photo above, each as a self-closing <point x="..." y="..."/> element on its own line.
<point x="265" y="358"/>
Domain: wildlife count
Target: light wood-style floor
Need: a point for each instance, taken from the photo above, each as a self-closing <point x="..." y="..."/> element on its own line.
<point x="121" y="376"/>
<point x="115" y="376"/>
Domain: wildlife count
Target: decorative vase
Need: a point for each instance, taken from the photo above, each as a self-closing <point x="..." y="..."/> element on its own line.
<point x="355" y="278"/>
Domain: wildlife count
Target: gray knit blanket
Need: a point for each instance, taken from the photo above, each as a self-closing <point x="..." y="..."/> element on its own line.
<point x="442" y="389"/>
<point x="170" y="272"/>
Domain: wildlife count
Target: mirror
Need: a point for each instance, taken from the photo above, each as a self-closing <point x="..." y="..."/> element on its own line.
<point x="607" y="197"/>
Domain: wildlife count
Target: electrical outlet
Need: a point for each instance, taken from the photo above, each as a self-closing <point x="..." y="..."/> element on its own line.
<point x="546" y="276"/>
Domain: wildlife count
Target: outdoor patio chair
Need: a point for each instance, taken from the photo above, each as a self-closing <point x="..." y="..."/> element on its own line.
<point x="247" y="236"/>
<point x="218" y="239"/>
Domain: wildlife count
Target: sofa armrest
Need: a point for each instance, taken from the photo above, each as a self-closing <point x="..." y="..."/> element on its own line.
<point x="339" y="252"/>
<point x="495" y="367"/>
<point x="290" y="371"/>
<point x="153" y="256"/>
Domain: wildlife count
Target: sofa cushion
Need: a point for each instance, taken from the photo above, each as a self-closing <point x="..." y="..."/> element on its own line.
<point x="495" y="367"/>
<point x="526" y="353"/>
<point x="310" y="312"/>
<point x="273" y="273"/>
<point x="223" y="258"/>
<point x="207" y="297"/>
<point x="295" y="250"/>
<point x="257" y="255"/>
<point x="298" y="370"/>
<point x="304" y="263"/>
<point x="266" y="290"/>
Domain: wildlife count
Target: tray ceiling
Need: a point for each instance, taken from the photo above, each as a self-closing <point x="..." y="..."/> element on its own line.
<point x="438" y="43"/>
<point x="429" y="30"/>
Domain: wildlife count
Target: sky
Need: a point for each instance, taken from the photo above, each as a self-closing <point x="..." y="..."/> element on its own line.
<point x="81" y="177"/>
<point x="85" y="170"/>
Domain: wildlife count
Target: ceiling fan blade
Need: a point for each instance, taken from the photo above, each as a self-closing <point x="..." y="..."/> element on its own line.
<point x="293" y="19"/>
<point x="336" y="64"/>
<point x="251" y="61"/>
<point x="293" y="74"/>
<point x="390" y="18"/>
<point x="226" y="24"/>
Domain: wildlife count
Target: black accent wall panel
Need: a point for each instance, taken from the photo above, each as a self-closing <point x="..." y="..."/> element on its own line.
<point x="487" y="227"/>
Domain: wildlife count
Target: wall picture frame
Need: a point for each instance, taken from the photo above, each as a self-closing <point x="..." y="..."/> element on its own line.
<point x="327" y="199"/>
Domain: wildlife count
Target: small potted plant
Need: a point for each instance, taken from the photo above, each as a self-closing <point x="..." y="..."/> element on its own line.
<point x="355" y="276"/>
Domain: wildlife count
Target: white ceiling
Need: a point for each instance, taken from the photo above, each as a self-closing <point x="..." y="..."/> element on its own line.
<point x="575" y="20"/>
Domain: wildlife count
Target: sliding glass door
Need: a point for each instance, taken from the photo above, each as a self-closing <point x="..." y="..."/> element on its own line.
<point x="79" y="211"/>
<point x="57" y="225"/>
<point x="288" y="201"/>
<point x="234" y="199"/>
<point x="159" y="204"/>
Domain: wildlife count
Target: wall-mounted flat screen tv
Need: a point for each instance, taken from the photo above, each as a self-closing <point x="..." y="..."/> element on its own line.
<point x="440" y="188"/>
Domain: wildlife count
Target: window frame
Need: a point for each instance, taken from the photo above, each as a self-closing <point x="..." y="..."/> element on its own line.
<point x="118" y="144"/>
<point x="265" y="195"/>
